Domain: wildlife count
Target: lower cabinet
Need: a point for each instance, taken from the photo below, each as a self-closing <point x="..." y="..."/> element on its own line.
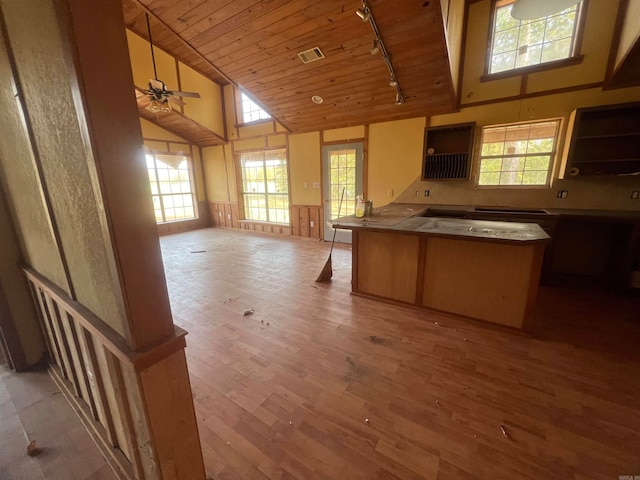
<point x="491" y="281"/>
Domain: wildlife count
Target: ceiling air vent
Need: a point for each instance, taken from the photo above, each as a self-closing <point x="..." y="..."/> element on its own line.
<point x="311" y="55"/>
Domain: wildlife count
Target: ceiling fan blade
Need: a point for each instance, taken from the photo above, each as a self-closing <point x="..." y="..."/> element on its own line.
<point x="177" y="101"/>
<point x="184" y="94"/>
<point x="157" y="84"/>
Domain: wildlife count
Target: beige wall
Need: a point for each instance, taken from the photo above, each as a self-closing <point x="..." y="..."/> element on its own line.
<point x="305" y="169"/>
<point x="395" y="150"/>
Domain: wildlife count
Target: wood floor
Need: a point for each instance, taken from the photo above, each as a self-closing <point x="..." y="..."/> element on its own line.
<point x="319" y="384"/>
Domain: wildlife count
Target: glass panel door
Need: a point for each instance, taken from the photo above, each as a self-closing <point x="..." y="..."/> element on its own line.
<point x="342" y="169"/>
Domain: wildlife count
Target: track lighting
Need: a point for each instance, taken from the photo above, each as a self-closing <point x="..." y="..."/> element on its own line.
<point x="375" y="46"/>
<point x="364" y="13"/>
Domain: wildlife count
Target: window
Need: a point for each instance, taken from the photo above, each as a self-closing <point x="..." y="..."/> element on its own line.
<point x="518" y="154"/>
<point x="171" y="186"/>
<point x="522" y="43"/>
<point x="250" y="111"/>
<point x="265" y="186"/>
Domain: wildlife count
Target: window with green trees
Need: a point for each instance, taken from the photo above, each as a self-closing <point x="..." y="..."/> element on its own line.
<point x="518" y="154"/>
<point x="522" y="43"/>
<point x="265" y="186"/>
<point x="171" y="187"/>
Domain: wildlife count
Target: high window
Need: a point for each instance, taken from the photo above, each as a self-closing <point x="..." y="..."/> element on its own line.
<point x="523" y="43"/>
<point x="251" y="112"/>
<point x="518" y="154"/>
<point x="171" y="186"/>
<point x="265" y="186"/>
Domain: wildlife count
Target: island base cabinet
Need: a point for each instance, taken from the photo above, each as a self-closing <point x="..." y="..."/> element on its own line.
<point x="494" y="282"/>
<point x="387" y="265"/>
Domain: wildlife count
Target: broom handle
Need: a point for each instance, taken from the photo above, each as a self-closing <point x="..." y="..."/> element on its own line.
<point x="335" y="230"/>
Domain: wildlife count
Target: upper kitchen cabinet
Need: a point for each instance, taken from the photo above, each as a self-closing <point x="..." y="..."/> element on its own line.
<point x="604" y="140"/>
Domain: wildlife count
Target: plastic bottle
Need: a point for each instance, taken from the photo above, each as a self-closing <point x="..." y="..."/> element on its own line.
<point x="359" y="206"/>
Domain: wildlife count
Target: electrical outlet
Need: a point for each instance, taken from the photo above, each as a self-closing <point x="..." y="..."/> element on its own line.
<point x="562" y="193"/>
<point x="426" y="193"/>
<point x="229" y="216"/>
<point x="417" y="193"/>
<point x="390" y="192"/>
<point x="311" y="224"/>
<point x="635" y="194"/>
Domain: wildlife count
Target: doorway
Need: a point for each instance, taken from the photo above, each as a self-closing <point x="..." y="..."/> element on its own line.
<point x="342" y="167"/>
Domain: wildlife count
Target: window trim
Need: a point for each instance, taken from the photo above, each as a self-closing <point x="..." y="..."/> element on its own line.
<point x="575" y="58"/>
<point x="240" y="184"/>
<point x="240" y="114"/>
<point x="553" y="161"/>
<point x="192" y="181"/>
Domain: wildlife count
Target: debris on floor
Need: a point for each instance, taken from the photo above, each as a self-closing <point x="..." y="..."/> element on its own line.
<point x="198" y="251"/>
<point x="377" y="340"/>
<point x="33" y="449"/>
<point x="504" y="432"/>
<point x="248" y="311"/>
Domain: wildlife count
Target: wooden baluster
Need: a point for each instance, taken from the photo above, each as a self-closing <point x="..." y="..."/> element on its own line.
<point x="102" y="409"/>
<point x="65" y="353"/>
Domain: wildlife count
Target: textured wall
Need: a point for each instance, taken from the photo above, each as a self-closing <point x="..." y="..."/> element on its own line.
<point x="35" y="40"/>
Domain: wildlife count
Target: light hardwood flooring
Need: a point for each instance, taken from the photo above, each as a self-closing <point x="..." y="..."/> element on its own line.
<point x="32" y="408"/>
<point x="319" y="384"/>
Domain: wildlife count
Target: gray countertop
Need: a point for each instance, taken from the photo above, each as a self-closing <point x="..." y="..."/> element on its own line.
<point x="409" y="218"/>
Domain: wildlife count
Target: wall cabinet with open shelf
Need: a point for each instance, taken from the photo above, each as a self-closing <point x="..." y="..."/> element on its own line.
<point x="447" y="152"/>
<point x="604" y="140"/>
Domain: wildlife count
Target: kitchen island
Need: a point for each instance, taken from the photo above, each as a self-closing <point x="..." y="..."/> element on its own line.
<point x="480" y="269"/>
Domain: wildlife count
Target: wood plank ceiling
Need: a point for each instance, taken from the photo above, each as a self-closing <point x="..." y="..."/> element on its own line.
<point x="254" y="44"/>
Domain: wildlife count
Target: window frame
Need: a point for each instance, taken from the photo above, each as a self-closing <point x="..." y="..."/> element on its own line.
<point x="575" y="58"/>
<point x="240" y="112"/>
<point x="242" y="193"/>
<point x="188" y="155"/>
<point x="553" y="155"/>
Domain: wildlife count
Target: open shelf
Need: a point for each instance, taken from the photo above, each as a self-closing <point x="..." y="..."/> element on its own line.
<point x="447" y="152"/>
<point x="604" y="140"/>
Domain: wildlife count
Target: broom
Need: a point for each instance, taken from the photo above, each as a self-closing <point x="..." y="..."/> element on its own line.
<point x="327" y="271"/>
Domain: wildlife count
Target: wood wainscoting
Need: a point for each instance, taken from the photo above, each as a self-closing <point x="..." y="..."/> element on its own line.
<point x="266" y="227"/>
<point x="203" y="221"/>
<point x="224" y="214"/>
<point x="302" y="218"/>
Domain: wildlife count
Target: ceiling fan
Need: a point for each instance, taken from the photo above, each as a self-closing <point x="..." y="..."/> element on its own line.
<point x="158" y="93"/>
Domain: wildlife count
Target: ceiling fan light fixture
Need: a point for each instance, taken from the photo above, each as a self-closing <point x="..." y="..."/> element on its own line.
<point x="534" y="9"/>
<point x="159" y="106"/>
<point x="364" y="14"/>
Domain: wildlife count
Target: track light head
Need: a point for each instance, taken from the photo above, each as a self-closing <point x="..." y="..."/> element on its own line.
<point x="375" y="46"/>
<point x="393" y="82"/>
<point x="364" y="14"/>
<point x="399" y="99"/>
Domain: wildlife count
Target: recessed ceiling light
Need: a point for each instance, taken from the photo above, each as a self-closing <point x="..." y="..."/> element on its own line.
<point x="317" y="99"/>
